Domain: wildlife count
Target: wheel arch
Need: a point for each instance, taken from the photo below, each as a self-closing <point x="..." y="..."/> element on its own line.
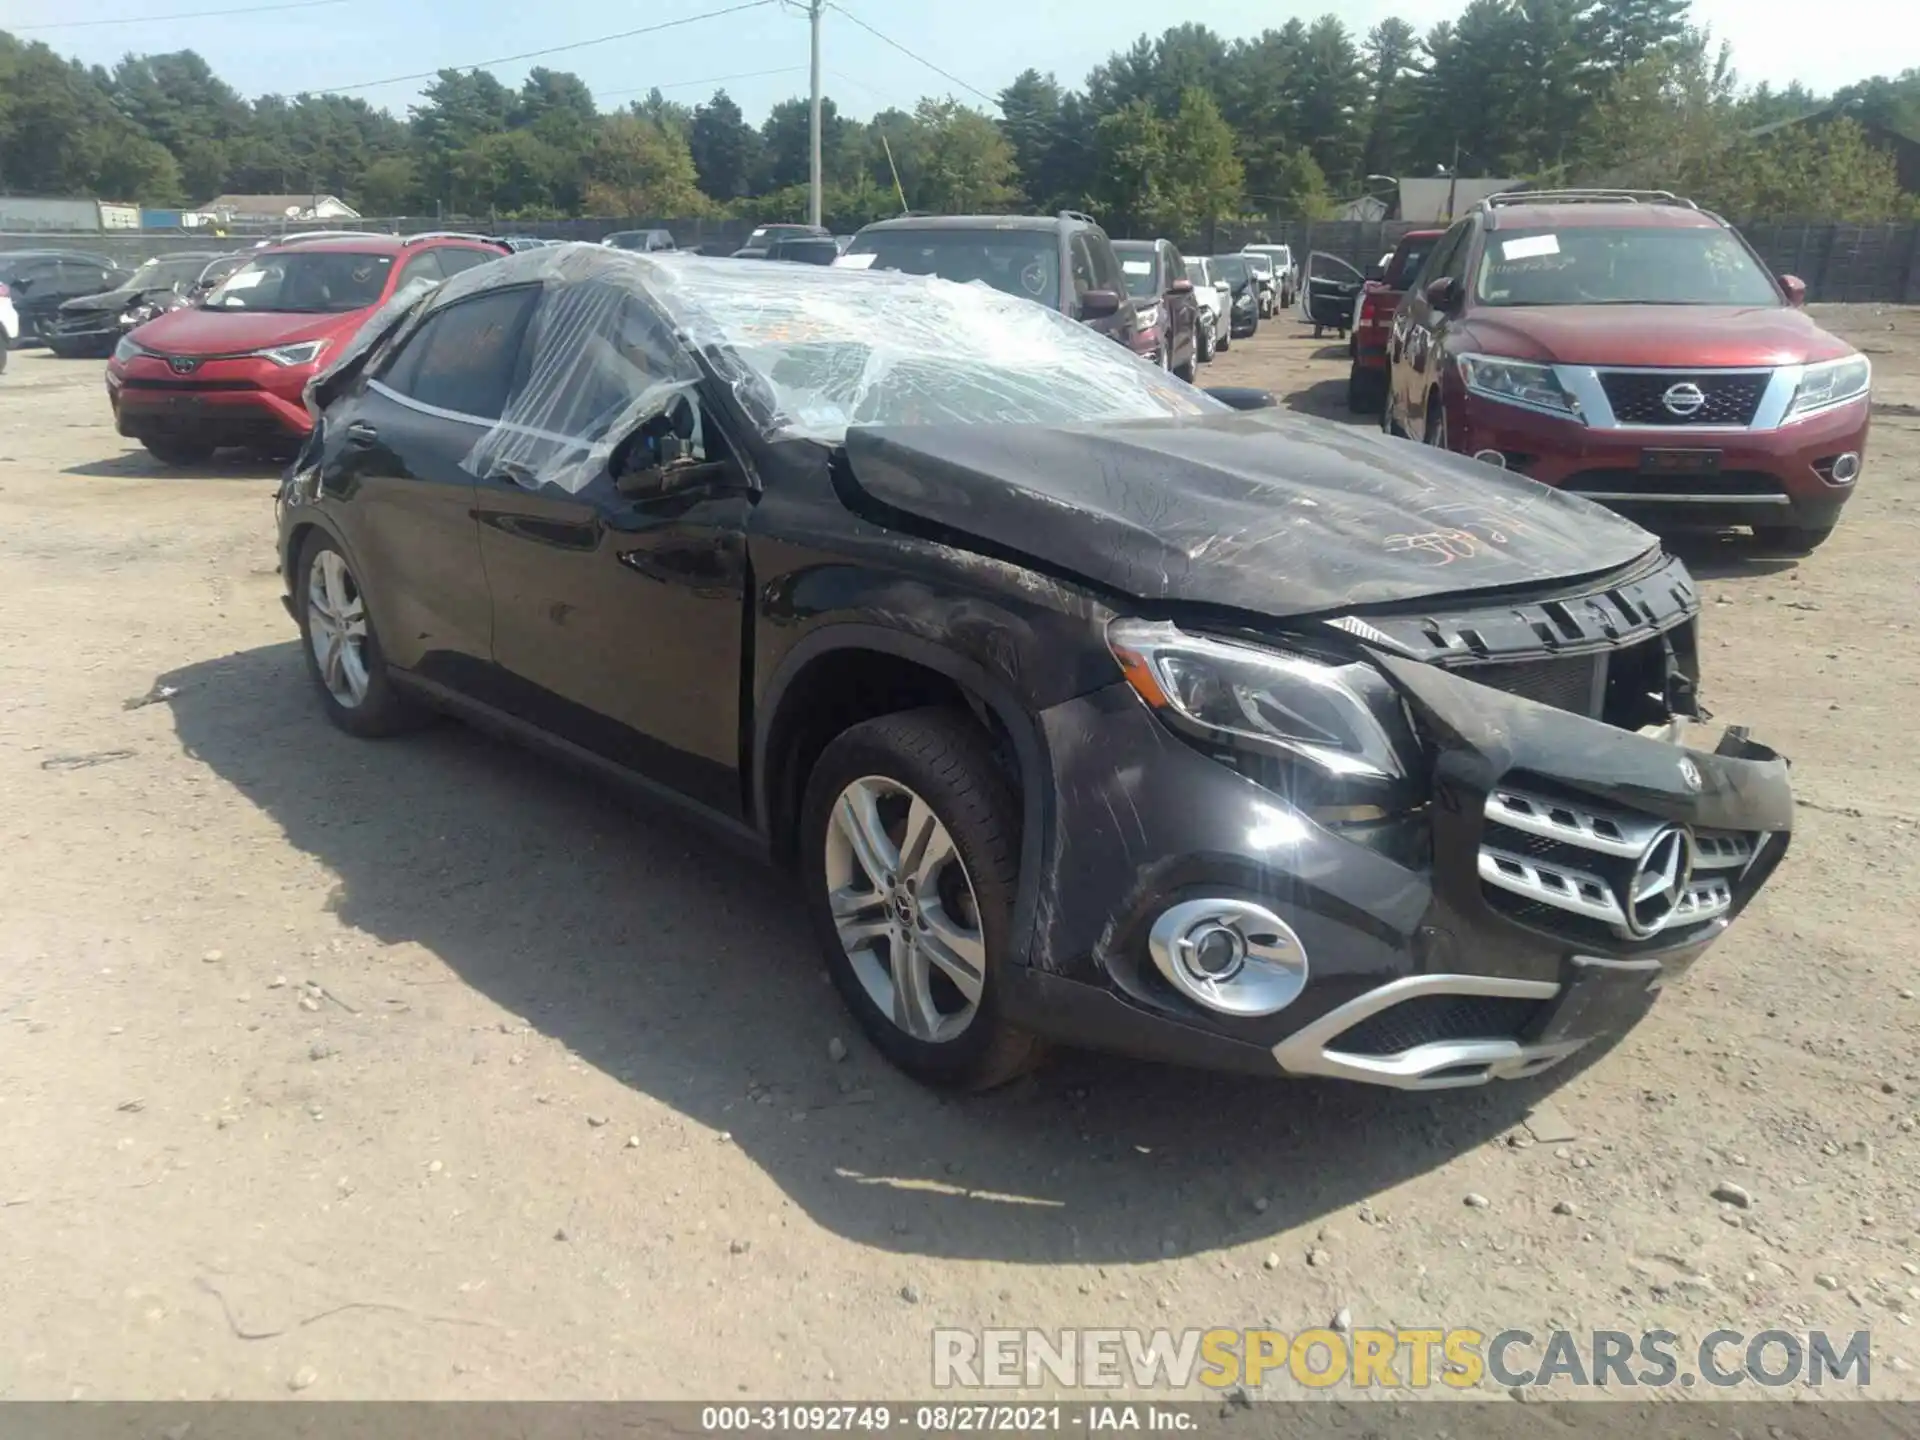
<point x="785" y="745"/>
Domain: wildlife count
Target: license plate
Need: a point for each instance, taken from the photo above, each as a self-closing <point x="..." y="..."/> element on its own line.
<point x="1679" y="462"/>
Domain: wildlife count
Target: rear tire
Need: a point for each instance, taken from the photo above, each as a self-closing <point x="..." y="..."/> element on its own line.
<point x="169" y="451"/>
<point x="1366" y="391"/>
<point x="895" y="774"/>
<point x="1434" y="432"/>
<point x="1789" y="540"/>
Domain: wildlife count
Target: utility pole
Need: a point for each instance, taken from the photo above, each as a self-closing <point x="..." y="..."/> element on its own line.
<point x="814" y="8"/>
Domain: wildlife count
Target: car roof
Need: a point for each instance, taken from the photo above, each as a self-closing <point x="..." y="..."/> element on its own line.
<point x="969" y="222"/>
<point x="6" y="255"/>
<point x="1590" y="215"/>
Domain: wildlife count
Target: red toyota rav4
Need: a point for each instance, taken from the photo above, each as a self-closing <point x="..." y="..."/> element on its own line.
<point x="231" y="370"/>
<point x="1631" y="348"/>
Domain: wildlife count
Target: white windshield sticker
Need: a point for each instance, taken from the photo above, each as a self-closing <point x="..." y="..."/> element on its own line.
<point x="1137" y="267"/>
<point x="857" y="262"/>
<point x="1529" y="247"/>
<point x="246" y="279"/>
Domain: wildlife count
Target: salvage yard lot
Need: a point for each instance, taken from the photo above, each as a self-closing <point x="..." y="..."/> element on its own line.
<point x="424" y="1069"/>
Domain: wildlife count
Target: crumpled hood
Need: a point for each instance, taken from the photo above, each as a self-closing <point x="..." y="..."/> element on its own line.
<point x="105" y="300"/>
<point x="1260" y="511"/>
<point x="1677" y="336"/>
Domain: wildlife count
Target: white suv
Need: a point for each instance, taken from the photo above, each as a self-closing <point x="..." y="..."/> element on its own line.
<point x="9" y="325"/>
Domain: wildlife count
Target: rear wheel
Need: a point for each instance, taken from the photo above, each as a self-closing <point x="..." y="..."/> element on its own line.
<point x="1789" y="540"/>
<point x="910" y="843"/>
<point x="1366" y="391"/>
<point x="1435" y="433"/>
<point x="169" y="450"/>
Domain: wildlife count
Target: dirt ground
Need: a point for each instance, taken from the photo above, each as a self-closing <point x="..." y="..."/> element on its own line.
<point x="423" y="1069"/>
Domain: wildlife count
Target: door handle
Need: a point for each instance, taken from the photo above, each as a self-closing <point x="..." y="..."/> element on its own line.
<point x="361" y="435"/>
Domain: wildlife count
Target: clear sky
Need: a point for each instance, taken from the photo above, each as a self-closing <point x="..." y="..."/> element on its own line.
<point x="983" y="43"/>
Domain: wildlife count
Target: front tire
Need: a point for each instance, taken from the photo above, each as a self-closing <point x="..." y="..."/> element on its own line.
<point x="343" y="653"/>
<point x="1205" y="342"/>
<point x="1435" y="430"/>
<point x="170" y="451"/>
<point x="1190" y="368"/>
<point x="910" y="853"/>
<point x="1790" y="540"/>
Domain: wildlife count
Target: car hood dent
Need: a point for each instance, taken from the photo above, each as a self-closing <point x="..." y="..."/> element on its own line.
<point x="228" y="332"/>
<point x="1258" y="511"/>
<point x="1677" y="336"/>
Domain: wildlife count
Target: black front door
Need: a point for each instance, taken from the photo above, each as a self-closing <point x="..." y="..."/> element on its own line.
<point x="617" y="616"/>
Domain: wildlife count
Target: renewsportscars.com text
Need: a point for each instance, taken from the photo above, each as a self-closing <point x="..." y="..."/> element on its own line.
<point x="1365" y="1359"/>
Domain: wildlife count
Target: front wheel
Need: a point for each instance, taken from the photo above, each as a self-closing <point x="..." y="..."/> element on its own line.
<point x="1790" y="540"/>
<point x="343" y="652"/>
<point x="910" y="846"/>
<point x="1435" y="433"/>
<point x="171" y="451"/>
<point x="1187" y="369"/>
<point x="1204" y="343"/>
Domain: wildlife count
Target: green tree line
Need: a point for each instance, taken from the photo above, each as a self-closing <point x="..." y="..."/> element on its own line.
<point x="1169" y="134"/>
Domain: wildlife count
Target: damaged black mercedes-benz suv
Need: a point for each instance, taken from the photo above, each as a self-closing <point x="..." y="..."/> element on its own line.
<point x="1086" y="707"/>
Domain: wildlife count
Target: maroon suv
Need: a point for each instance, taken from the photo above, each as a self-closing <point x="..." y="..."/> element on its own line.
<point x="1631" y="348"/>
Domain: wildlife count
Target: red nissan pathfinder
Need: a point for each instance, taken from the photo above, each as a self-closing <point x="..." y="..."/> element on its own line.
<point x="232" y="370"/>
<point x="1632" y="348"/>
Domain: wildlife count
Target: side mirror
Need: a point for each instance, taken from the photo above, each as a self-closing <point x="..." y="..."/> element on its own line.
<point x="1182" y="286"/>
<point x="1442" y="294"/>
<point x="1243" y="397"/>
<point x="1796" y="289"/>
<point x="1376" y="273"/>
<point x="1099" y="304"/>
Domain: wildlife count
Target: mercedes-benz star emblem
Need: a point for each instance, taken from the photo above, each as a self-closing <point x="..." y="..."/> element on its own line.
<point x="1690" y="775"/>
<point x="1659" y="882"/>
<point x="1684" y="399"/>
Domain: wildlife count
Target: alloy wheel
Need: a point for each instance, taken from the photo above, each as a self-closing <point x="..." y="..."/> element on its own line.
<point x="904" y="909"/>
<point x="337" y="628"/>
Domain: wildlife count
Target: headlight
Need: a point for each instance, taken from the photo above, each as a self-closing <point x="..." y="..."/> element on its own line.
<point x="126" y="350"/>
<point x="137" y="314"/>
<point x="305" y="353"/>
<point x="1149" y="315"/>
<point x="1834" y="383"/>
<point x="1518" y="382"/>
<point x="1280" y="704"/>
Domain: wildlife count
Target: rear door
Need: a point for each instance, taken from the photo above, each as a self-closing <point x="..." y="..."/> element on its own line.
<point x="395" y="458"/>
<point x="617" y="615"/>
<point x="1181" y="306"/>
<point x="1410" y="350"/>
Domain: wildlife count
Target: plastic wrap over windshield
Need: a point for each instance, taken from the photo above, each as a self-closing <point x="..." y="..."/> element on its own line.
<point x="808" y="351"/>
<point x="812" y="351"/>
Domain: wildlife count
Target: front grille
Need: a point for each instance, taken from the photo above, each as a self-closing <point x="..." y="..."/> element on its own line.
<point x="148" y="382"/>
<point x="1592" y="873"/>
<point x="1428" y="1019"/>
<point x="1640" y="398"/>
<point x="1569" y="683"/>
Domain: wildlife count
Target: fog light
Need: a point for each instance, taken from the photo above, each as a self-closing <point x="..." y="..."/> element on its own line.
<point x="1494" y="458"/>
<point x="1229" y="955"/>
<point x="1846" y="469"/>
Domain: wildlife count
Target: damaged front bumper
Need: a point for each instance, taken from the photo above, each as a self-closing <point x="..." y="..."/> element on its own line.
<point x="1559" y="872"/>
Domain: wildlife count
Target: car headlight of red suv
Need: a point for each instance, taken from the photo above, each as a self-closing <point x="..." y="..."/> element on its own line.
<point x="303" y="353"/>
<point x="1835" y="382"/>
<point x="1517" y="382"/>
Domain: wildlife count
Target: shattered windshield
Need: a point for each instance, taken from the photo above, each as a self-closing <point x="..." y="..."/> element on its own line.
<point x="813" y="353"/>
<point x="1019" y="262"/>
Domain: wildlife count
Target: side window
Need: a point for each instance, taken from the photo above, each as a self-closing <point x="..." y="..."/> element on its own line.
<point x="1080" y="257"/>
<point x="1438" y="257"/>
<point x="1106" y="265"/>
<point x="1176" y="266"/>
<point x="419" y="275"/>
<point x="455" y="258"/>
<point x="463" y="357"/>
<point x="1456" y="266"/>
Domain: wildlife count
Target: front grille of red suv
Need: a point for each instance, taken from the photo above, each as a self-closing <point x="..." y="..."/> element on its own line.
<point x="1641" y="397"/>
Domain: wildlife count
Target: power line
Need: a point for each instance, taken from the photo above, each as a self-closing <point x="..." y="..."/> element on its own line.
<point x="920" y="59"/>
<point x="709" y="80"/>
<point x="554" y="49"/>
<point x="181" y="15"/>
